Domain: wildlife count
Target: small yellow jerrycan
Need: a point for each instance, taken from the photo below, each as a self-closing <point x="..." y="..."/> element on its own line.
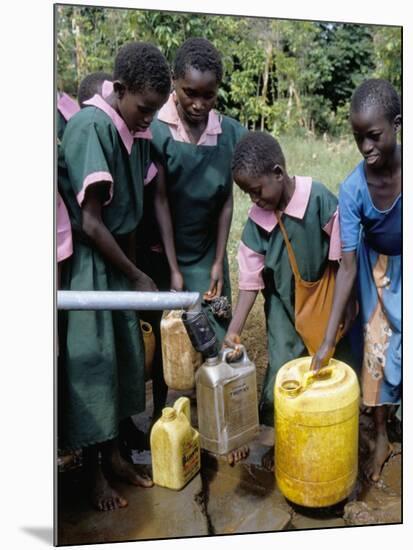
<point x="180" y="359"/>
<point x="175" y="447"/>
<point x="316" y="425"/>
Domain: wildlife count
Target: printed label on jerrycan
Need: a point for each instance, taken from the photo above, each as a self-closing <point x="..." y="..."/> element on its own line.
<point x="240" y="404"/>
<point x="190" y="459"/>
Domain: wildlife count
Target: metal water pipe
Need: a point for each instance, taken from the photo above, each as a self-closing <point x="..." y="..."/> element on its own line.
<point x="127" y="300"/>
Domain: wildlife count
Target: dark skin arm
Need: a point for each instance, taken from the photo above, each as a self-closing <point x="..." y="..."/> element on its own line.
<point x="246" y="299"/>
<point x="217" y="270"/>
<point x="163" y="216"/>
<point x="343" y="293"/>
<point x="103" y="240"/>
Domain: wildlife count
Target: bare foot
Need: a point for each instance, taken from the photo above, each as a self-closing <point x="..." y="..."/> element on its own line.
<point x="124" y="471"/>
<point x="267" y="460"/>
<point x="382" y="452"/>
<point x="237" y="455"/>
<point x="103" y="497"/>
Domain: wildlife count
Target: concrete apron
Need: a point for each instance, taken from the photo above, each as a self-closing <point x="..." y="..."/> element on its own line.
<point x="220" y="500"/>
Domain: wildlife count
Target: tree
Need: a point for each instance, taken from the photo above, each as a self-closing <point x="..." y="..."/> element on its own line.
<point x="279" y="75"/>
<point x="387" y="54"/>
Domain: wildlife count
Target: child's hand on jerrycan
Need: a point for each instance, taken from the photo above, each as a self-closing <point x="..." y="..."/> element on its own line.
<point x="322" y="357"/>
<point x="233" y="341"/>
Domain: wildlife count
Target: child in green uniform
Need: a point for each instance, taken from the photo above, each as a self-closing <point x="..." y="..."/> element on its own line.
<point x="101" y="171"/>
<point x="195" y="145"/>
<point x="309" y="214"/>
<point x="92" y="84"/>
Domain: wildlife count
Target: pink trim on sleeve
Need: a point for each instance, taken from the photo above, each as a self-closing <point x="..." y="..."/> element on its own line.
<point x="150" y="174"/>
<point x="250" y="266"/>
<point x="95" y="177"/>
<point x="332" y="228"/>
<point x="64" y="231"/>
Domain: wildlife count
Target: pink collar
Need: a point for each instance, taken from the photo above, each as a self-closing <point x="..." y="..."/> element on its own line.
<point x="125" y="134"/>
<point x="295" y="208"/>
<point x="169" y="114"/>
<point x="67" y="106"/>
<point x="107" y="88"/>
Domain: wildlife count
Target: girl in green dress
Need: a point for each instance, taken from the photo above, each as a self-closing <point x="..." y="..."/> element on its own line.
<point x="102" y="164"/>
<point x="194" y="145"/>
<point x="310" y="216"/>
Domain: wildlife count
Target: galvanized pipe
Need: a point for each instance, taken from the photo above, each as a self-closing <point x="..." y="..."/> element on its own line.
<point x="126" y="300"/>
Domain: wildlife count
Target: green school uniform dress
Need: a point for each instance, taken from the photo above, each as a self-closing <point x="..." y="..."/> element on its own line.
<point x="198" y="181"/>
<point x="264" y="265"/>
<point x="101" y="360"/>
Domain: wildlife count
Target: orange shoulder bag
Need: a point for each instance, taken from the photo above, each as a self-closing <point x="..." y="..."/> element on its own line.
<point x="313" y="300"/>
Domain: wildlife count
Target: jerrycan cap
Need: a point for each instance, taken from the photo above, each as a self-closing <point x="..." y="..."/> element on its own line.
<point x="168" y="413"/>
<point x="293" y="387"/>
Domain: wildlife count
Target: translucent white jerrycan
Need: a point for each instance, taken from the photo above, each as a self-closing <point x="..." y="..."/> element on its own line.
<point x="175" y="447"/>
<point x="180" y="359"/>
<point x="227" y="402"/>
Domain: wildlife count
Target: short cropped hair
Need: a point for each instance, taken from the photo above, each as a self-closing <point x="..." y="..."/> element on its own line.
<point x="91" y="85"/>
<point x="256" y="154"/>
<point x="200" y="54"/>
<point x="141" y="66"/>
<point x="376" y="92"/>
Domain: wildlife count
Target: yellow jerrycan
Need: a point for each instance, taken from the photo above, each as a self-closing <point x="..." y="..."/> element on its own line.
<point x="149" y="345"/>
<point x="180" y="359"/>
<point x="175" y="447"/>
<point x="316" y="432"/>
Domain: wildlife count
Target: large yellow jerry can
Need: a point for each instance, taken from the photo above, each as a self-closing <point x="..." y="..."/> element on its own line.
<point x="175" y="447"/>
<point x="316" y="424"/>
<point x="180" y="359"/>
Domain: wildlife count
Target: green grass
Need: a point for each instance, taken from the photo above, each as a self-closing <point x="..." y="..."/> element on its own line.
<point x="325" y="160"/>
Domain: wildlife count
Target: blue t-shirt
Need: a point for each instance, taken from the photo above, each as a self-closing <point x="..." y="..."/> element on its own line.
<point x="381" y="229"/>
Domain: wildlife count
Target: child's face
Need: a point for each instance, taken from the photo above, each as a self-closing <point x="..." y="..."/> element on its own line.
<point x="197" y="93"/>
<point x="375" y="135"/>
<point x="138" y="109"/>
<point x="265" y="191"/>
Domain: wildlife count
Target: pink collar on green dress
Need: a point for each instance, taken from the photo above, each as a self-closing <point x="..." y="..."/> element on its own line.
<point x="126" y="135"/>
<point x="295" y="208"/>
<point x="169" y="114"/>
<point x="67" y="106"/>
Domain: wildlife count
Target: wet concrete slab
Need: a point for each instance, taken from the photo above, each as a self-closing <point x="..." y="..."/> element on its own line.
<point x="222" y="499"/>
<point x="242" y="498"/>
<point x="151" y="513"/>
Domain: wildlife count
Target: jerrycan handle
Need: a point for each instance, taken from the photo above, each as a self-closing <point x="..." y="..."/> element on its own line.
<point x="323" y="373"/>
<point x="241" y="357"/>
<point x="182" y="405"/>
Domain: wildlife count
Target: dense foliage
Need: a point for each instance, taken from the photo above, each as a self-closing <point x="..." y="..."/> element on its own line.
<point x="281" y="75"/>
